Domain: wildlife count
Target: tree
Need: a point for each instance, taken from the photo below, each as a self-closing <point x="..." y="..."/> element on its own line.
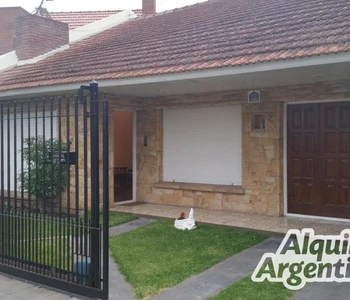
<point x="43" y="177"/>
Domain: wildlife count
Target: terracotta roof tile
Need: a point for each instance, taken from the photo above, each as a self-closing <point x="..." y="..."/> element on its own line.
<point x="212" y="34"/>
<point x="77" y="19"/>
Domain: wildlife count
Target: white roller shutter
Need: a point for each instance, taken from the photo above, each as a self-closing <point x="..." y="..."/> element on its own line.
<point x="11" y="146"/>
<point x="203" y="145"/>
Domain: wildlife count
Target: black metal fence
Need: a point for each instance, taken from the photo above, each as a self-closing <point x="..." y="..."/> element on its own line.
<point x="51" y="227"/>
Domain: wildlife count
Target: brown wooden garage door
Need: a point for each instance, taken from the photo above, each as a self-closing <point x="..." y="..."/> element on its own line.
<point x="318" y="159"/>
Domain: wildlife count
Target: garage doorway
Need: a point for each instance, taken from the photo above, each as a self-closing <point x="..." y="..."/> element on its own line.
<point x="123" y="155"/>
<point x="318" y="159"/>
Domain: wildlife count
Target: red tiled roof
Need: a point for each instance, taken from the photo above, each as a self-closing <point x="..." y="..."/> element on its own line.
<point x="80" y="18"/>
<point x="209" y="35"/>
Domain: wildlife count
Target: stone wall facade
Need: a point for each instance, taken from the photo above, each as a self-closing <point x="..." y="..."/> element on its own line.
<point x="262" y="161"/>
<point x="262" y="151"/>
<point x="262" y="173"/>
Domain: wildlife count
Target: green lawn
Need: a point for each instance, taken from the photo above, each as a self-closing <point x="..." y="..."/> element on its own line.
<point x="115" y="218"/>
<point x="30" y="226"/>
<point x="42" y="238"/>
<point x="158" y="256"/>
<point x="36" y="226"/>
<point x="51" y="252"/>
<point x="246" y="289"/>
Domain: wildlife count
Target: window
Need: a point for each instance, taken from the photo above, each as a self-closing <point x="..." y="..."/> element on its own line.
<point x="203" y="145"/>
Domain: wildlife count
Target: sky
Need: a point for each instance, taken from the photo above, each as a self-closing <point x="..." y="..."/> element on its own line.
<point x="83" y="5"/>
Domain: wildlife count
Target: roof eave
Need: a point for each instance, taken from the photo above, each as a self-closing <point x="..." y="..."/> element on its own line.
<point x="189" y="75"/>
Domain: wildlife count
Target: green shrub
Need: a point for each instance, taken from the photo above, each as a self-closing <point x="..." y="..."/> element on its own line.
<point x="42" y="177"/>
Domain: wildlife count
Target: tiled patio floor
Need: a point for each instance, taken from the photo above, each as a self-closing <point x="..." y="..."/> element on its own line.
<point x="255" y="222"/>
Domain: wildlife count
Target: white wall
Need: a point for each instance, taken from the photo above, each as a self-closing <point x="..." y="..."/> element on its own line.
<point x="10" y="147"/>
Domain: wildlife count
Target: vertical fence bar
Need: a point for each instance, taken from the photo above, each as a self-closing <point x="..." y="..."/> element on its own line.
<point x="22" y="235"/>
<point x="59" y="184"/>
<point x="81" y="242"/>
<point x="67" y="237"/>
<point x="89" y="253"/>
<point x="28" y="187"/>
<point x="9" y="217"/>
<point x="53" y="239"/>
<point x="15" y="235"/>
<point x="76" y="137"/>
<point x="2" y="182"/>
<point x="84" y="228"/>
<point x="95" y="203"/>
<point x="105" y="145"/>
<point x="43" y="215"/>
<point x="37" y="196"/>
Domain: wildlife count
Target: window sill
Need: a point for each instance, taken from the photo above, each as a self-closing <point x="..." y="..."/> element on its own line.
<point x="198" y="187"/>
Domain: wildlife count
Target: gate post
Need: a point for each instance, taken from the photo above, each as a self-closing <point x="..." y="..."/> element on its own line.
<point x="95" y="180"/>
<point x="105" y="143"/>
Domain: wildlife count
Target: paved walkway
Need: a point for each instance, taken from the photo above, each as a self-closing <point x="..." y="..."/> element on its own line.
<point x="234" y="219"/>
<point x="212" y="281"/>
<point x="15" y="289"/>
<point x="324" y="291"/>
<point x="130" y="226"/>
<point x="119" y="288"/>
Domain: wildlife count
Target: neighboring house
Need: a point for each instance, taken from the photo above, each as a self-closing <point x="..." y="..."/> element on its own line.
<point x="188" y="74"/>
<point x="81" y="18"/>
<point x="8" y="16"/>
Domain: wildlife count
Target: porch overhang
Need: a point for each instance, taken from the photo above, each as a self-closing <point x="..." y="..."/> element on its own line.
<point x="326" y="68"/>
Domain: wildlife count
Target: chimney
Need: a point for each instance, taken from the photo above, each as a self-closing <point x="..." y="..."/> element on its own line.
<point x="35" y="35"/>
<point x="148" y="7"/>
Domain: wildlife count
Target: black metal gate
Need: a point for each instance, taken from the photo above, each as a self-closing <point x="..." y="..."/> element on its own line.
<point x="52" y="186"/>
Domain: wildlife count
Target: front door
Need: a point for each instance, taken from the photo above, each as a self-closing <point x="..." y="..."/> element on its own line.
<point x="123" y="155"/>
<point x="318" y="159"/>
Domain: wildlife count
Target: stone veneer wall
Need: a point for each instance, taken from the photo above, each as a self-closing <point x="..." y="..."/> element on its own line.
<point x="114" y="104"/>
<point x="262" y="151"/>
<point x="261" y="166"/>
<point x="149" y="159"/>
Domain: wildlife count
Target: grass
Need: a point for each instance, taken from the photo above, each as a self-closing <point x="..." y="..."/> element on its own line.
<point x="116" y="219"/>
<point x="30" y="226"/>
<point x="42" y="238"/>
<point x="36" y="238"/>
<point x="53" y="252"/>
<point x="158" y="256"/>
<point x="39" y="225"/>
<point x="247" y="289"/>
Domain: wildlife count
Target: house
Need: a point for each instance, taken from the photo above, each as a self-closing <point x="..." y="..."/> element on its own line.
<point x="81" y="18"/>
<point x="8" y="15"/>
<point x="235" y="105"/>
